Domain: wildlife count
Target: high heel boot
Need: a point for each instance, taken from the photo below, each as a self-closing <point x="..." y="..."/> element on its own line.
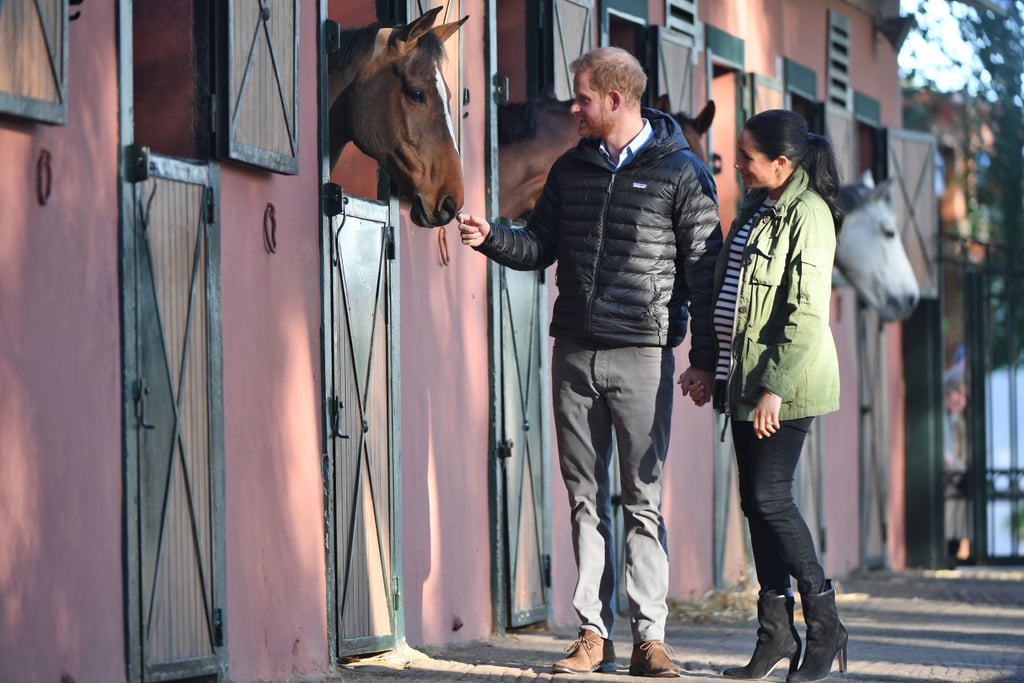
<point x="826" y="637"/>
<point x="777" y="638"/>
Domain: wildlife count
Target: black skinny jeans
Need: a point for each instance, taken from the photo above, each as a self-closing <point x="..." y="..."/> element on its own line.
<point x="779" y="537"/>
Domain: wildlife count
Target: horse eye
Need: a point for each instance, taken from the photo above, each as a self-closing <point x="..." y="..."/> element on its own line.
<point x="416" y="95"/>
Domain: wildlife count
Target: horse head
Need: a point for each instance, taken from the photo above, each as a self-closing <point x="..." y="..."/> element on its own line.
<point x="694" y="127"/>
<point x="531" y="135"/>
<point x="870" y="253"/>
<point x="388" y="96"/>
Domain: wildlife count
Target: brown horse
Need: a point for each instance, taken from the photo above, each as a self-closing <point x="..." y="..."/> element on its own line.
<point x="387" y="96"/>
<point x="532" y="134"/>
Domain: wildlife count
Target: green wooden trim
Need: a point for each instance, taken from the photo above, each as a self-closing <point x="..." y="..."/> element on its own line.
<point x="633" y="8"/>
<point x="867" y="109"/>
<point x="800" y="80"/>
<point x="725" y="46"/>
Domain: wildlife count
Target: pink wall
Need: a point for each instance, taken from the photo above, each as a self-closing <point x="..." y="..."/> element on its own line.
<point x="276" y="611"/>
<point x="61" y="609"/>
<point x="445" y="400"/>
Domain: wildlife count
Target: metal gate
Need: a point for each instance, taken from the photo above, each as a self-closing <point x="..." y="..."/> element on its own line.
<point x="989" y="276"/>
<point x="521" y="391"/>
<point x="173" y="417"/>
<point x="361" y="469"/>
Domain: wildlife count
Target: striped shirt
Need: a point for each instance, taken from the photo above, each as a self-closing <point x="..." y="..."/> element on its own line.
<point x="725" y="307"/>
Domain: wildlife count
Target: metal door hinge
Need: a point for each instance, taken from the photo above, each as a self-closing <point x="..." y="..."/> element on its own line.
<point x="505" y="449"/>
<point x="333" y="198"/>
<point x="396" y="592"/>
<point x="332" y="36"/>
<point x="210" y="207"/>
<point x="136" y="163"/>
<point x="546" y="560"/>
<point x="218" y="628"/>
<point x="499" y="88"/>
<point x="389" y="246"/>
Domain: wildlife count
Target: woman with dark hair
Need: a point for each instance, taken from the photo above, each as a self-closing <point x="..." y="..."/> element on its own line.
<point x="777" y="369"/>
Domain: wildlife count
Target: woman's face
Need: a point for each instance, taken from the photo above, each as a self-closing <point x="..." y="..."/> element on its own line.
<point x="756" y="169"/>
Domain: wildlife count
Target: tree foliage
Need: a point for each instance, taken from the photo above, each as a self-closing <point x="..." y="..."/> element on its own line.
<point x="993" y="75"/>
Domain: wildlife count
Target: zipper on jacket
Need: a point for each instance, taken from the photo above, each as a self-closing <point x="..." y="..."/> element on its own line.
<point x="600" y="254"/>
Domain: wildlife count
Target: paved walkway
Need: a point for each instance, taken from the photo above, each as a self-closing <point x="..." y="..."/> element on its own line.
<point x="962" y="625"/>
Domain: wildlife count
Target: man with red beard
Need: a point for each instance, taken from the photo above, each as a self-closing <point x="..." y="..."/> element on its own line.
<point x="631" y="216"/>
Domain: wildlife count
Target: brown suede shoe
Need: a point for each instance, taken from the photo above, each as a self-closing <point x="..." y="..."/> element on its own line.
<point x="588" y="653"/>
<point x="653" y="658"/>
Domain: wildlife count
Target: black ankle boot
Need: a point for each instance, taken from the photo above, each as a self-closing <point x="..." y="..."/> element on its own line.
<point x="826" y="637"/>
<point x="777" y="638"/>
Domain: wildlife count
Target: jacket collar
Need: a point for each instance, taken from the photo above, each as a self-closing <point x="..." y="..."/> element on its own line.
<point x="666" y="137"/>
<point x="794" y="188"/>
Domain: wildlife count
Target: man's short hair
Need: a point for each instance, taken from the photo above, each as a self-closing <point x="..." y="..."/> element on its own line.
<point x="612" y="68"/>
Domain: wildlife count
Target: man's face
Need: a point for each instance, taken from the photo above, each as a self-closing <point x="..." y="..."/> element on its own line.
<point x="592" y="110"/>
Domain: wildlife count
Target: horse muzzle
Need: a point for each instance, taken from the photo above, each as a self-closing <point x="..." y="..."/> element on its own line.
<point x="425" y="218"/>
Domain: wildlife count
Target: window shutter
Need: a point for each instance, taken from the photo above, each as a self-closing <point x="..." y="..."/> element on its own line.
<point x="839" y="61"/>
<point x="33" y="59"/>
<point x="573" y="35"/>
<point x="260" y="85"/>
<point x="677" y="53"/>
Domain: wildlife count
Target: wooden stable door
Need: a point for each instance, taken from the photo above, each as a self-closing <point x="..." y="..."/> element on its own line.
<point x="523" y="460"/>
<point x="173" y="423"/>
<point x="362" y="475"/>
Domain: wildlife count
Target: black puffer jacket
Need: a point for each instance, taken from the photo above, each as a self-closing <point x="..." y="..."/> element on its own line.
<point x="621" y="240"/>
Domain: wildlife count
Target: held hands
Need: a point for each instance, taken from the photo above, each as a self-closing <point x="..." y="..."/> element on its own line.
<point x="766" y="414"/>
<point x="473" y="230"/>
<point x="697" y="385"/>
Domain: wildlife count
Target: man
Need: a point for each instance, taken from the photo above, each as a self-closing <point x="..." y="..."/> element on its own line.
<point x="631" y="216"/>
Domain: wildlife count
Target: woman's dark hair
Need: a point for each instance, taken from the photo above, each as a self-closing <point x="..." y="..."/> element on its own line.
<point x="779" y="132"/>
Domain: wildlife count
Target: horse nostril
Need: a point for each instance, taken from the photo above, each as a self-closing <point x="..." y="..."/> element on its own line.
<point x="448" y="207"/>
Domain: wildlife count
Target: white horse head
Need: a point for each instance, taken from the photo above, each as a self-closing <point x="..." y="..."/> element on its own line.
<point x="870" y="253"/>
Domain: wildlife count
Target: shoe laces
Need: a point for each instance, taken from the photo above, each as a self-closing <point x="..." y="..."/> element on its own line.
<point x="649" y="647"/>
<point x="581" y="642"/>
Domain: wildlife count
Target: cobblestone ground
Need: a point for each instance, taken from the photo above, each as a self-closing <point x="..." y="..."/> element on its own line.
<point x="959" y="626"/>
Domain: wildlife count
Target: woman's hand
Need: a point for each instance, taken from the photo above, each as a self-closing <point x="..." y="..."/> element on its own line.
<point x="766" y="414"/>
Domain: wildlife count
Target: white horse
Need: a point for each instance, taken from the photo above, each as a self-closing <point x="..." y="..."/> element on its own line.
<point x="870" y="253"/>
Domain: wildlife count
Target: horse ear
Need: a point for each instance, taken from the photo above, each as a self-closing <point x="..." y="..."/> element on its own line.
<point x="662" y="104"/>
<point x="445" y="31"/>
<point x="705" y="117"/>
<point x="412" y="32"/>
<point x="876" y="192"/>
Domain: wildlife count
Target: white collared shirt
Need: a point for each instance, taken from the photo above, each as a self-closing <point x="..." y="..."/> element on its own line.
<point x="630" y="151"/>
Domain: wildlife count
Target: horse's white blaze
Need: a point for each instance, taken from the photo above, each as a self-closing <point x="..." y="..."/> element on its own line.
<point x="442" y="93"/>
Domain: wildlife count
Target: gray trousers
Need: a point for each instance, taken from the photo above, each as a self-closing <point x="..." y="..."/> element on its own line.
<point x="630" y="389"/>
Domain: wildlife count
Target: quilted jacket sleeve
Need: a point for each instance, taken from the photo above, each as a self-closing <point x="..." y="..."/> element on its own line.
<point x="699" y="239"/>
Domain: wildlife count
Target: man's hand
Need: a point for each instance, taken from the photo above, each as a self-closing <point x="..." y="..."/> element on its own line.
<point x="473" y="230"/>
<point x="697" y="384"/>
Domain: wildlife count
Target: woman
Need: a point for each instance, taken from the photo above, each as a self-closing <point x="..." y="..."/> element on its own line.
<point x="777" y="370"/>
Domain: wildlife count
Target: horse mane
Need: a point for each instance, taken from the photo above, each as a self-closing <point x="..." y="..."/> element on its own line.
<point x="849" y="197"/>
<point x="518" y="120"/>
<point x="354" y="45"/>
<point x="357" y="43"/>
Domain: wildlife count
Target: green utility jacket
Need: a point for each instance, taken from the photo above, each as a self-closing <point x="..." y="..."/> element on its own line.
<point x="782" y="341"/>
